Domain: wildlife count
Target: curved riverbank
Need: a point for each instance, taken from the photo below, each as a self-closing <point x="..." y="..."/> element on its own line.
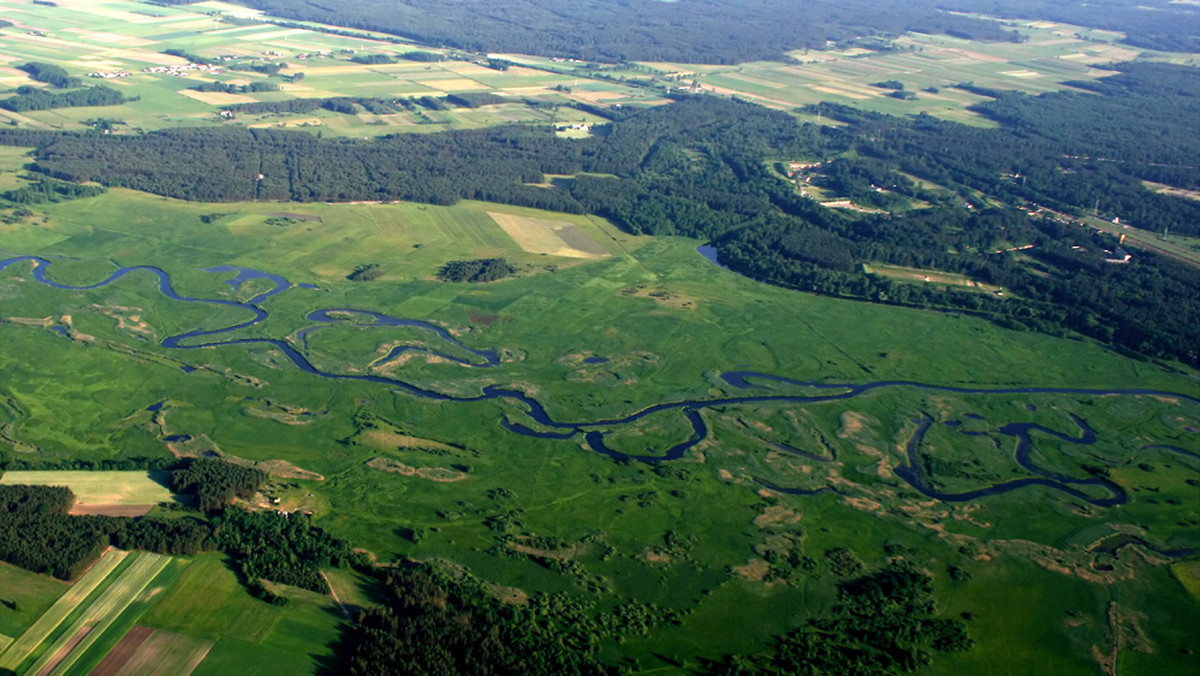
<point x="761" y="388"/>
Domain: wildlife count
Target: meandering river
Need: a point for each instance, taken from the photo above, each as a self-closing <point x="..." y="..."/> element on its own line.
<point x="759" y="388"/>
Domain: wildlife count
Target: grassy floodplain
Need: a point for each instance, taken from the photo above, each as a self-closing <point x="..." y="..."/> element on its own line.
<point x="599" y="339"/>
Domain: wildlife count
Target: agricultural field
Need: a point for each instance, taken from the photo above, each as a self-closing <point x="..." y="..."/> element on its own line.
<point x="651" y="322"/>
<point x="25" y="597"/>
<point x="95" y="37"/>
<point x="110" y="493"/>
<point x="209" y="607"/>
<point x="141" y="613"/>
<point x="93" y="615"/>
<point x="928" y="277"/>
<point x="927" y="65"/>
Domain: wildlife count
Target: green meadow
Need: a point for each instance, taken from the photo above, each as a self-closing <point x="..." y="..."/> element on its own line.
<point x="247" y="635"/>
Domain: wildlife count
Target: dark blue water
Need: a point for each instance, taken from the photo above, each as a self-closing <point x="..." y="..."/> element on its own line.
<point x="596" y="360"/>
<point x="915" y="477"/>
<point x="710" y="252"/>
<point x="767" y="388"/>
<point x="1114" y="544"/>
<point x="155" y="408"/>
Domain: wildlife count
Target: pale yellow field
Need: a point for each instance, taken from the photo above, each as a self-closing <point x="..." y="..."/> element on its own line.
<point x="384" y="439"/>
<point x="216" y="98"/>
<point x="98" y="488"/>
<point x="1170" y="190"/>
<point x="452" y="85"/>
<point x="538" y="235"/>
<point x="167" y="654"/>
<point x="838" y="92"/>
<point x="929" y="276"/>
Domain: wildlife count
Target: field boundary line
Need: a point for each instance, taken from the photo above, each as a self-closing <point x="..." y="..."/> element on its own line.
<point x="48" y="621"/>
<point x="103" y="611"/>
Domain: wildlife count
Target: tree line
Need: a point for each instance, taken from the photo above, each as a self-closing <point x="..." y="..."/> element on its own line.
<point x="350" y="105"/>
<point x="53" y="75"/>
<point x="252" y="87"/>
<point x="48" y="189"/>
<point x="30" y="98"/>
<point x="479" y="270"/>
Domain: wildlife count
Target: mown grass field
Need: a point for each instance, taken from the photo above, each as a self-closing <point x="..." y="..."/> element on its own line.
<point x="95" y="491"/>
<point x="667" y="322"/>
<point x="26" y="596"/>
<point x="907" y="274"/>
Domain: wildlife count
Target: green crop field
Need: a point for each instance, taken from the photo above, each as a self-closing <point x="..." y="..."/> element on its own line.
<point x="26" y="596"/>
<point x="97" y="578"/>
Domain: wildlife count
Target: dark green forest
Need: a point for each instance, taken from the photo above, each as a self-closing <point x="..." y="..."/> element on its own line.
<point x="712" y="31"/>
<point x="433" y="622"/>
<point x="30" y="98"/>
<point x="213" y="483"/>
<point x="885" y="622"/>
<point x="53" y="75"/>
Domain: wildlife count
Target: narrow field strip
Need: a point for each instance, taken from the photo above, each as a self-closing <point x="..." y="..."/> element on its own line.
<point x="166" y="654"/>
<point x="91" y="652"/>
<point x="101" y="613"/>
<point x="36" y="634"/>
<point x="125" y="649"/>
